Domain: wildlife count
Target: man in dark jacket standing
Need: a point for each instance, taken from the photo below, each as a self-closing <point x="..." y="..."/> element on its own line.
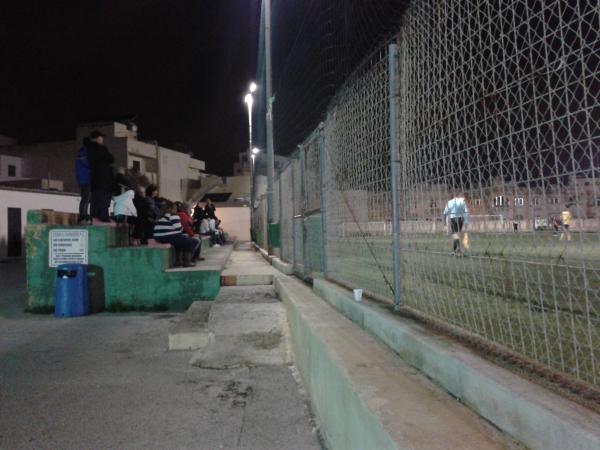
<point x="101" y="172"/>
<point x="82" y="172"/>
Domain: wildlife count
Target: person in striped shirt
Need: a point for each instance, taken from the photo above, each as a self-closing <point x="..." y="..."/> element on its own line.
<point x="168" y="230"/>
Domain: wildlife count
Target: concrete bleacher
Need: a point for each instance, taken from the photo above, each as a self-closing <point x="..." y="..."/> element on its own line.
<point x="121" y="277"/>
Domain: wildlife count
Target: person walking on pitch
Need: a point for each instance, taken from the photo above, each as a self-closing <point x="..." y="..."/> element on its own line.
<point x="456" y="214"/>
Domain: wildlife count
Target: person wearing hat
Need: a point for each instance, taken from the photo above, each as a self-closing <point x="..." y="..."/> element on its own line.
<point x="101" y="176"/>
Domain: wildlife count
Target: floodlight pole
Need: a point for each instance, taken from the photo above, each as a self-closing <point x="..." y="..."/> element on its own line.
<point x="249" y="101"/>
<point x="269" y="97"/>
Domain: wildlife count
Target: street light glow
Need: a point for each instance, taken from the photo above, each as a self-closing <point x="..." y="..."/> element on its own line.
<point x="255" y="151"/>
<point x="248" y="99"/>
<point x="253" y="87"/>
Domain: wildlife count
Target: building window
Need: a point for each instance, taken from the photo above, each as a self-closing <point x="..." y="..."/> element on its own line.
<point x="553" y="201"/>
<point x="499" y="201"/>
<point x="136" y="166"/>
<point x="598" y="202"/>
<point x="12" y="170"/>
<point x="519" y="201"/>
<point x="536" y="201"/>
<point x="477" y="202"/>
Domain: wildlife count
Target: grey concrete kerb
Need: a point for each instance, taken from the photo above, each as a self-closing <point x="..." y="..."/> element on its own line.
<point x="534" y="416"/>
<point x="263" y="253"/>
<point x="364" y="396"/>
<point x="282" y="266"/>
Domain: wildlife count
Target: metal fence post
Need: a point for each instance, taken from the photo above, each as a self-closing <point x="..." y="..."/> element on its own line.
<point x="322" y="166"/>
<point x="305" y="265"/>
<point x="281" y="244"/>
<point x="293" y="188"/>
<point x="394" y="160"/>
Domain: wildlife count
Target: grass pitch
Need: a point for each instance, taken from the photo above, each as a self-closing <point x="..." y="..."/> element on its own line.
<point x="530" y="292"/>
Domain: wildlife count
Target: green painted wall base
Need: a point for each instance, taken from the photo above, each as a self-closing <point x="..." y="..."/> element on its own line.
<point x="120" y="277"/>
<point x="274" y="236"/>
<point x="345" y="418"/>
<point x="314" y="244"/>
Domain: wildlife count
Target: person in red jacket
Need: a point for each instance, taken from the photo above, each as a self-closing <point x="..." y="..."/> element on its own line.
<point x="187" y="224"/>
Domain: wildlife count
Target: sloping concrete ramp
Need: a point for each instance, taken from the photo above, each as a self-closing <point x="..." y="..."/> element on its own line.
<point x="247" y="268"/>
<point x="191" y="332"/>
<point x="363" y="395"/>
<point x="247" y="327"/>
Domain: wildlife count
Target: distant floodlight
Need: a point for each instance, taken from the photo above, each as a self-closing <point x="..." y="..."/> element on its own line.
<point x="248" y="99"/>
<point x="255" y="151"/>
<point x="253" y="87"/>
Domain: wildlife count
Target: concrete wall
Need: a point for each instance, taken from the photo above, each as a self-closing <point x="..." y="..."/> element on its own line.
<point x="7" y="160"/>
<point x="56" y="160"/>
<point x="50" y="160"/>
<point x="173" y="167"/>
<point x="28" y="200"/>
<point x="174" y="170"/>
<point x="235" y="221"/>
<point x="169" y="169"/>
<point x="238" y="186"/>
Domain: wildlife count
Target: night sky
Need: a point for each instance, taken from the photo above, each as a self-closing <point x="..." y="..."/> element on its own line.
<point x="181" y="67"/>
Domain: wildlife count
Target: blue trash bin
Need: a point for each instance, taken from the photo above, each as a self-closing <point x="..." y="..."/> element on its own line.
<point x="72" y="297"/>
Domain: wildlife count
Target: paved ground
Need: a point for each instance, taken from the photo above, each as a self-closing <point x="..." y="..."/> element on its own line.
<point x="248" y="327"/>
<point x="107" y="381"/>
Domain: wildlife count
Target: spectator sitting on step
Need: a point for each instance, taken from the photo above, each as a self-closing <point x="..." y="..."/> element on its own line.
<point x="152" y="198"/>
<point x="151" y="211"/>
<point x="187" y="226"/>
<point x="198" y="216"/>
<point x="209" y="209"/>
<point x="206" y="229"/>
<point x="209" y="212"/>
<point x="168" y="230"/>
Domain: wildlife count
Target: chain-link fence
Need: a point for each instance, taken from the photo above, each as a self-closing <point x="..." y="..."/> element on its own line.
<point x="287" y="213"/>
<point x="357" y="179"/>
<point x="498" y="137"/>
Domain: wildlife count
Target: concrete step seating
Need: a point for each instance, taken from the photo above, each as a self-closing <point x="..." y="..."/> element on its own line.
<point x="125" y="277"/>
<point x="215" y="259"/>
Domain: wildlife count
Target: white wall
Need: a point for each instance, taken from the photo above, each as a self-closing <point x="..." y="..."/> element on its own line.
<point x="27" y="200"/>
<point x="173" y="168"/>
<point x="235" y="221"/>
